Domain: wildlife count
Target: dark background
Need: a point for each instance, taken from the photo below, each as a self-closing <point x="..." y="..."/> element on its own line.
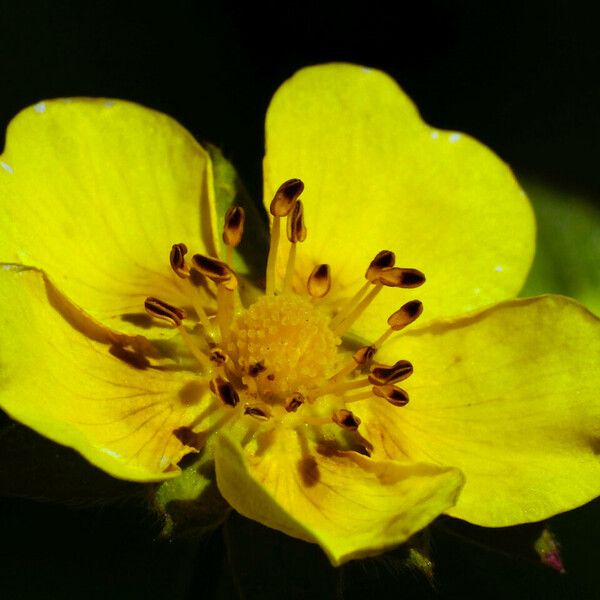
<point x="522" y="77"/>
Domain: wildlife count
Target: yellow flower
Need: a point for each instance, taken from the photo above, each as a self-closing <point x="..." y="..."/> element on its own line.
<point x="311" y="435"/>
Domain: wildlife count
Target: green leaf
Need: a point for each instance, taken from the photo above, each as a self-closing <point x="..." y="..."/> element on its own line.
<point x="567" y="260"/>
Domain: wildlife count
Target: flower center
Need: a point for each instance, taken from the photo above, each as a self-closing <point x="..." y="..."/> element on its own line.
<point x="285" y="344"/>
<point x="284" y="353"/>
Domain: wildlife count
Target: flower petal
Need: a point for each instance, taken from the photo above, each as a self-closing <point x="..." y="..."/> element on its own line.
<point x="377" y="177"/>
<point x="510" y="397"/>
<point x="95" y="192"/>
<point x="60" y="375"/>
<point x="348" y="504"/>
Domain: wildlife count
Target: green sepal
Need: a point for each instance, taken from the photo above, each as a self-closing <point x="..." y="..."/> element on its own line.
<point x="567" y="259"/>
<point x="191" y="503"/>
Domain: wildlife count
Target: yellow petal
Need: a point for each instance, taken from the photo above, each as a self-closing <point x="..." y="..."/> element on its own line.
<point x="377" y="177"/>
<point x="83" y="392"/>
<point x="348" y="504"/>
<point x="95" y="192"/>
<point x="510" y="397"/>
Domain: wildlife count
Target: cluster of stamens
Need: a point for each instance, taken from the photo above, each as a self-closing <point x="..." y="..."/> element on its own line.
<point x="283" y="358"/>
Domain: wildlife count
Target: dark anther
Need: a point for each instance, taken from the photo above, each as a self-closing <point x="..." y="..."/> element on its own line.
<point x="218" y="356"/>
<point x="211" y="267"/>
<point x="285" y="197"/>
<point x="296" y="230"/>
<point x="224" y="391"/>
<point x="364" y="354"/>
<point x="256" y="412"/>
<point x="161" y="310"/>
<point x="402" y="278"/>
<point x="234" y="226"/>
<point x="397" y="372"/>
<point x="256" y="369"/>
<point x="383" y="260"/>
<point x="294" y="402"/>
<point x="405" y="315"/>
<point x="319" y="281"/>
<point x="394" y="395"/>
<point x="346" y="419"/>
<point x="177" y="259"/>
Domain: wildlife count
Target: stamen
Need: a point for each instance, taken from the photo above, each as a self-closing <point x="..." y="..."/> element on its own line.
<point x="178" y="262"/>
<point x="402" y="278"/>
<point x="398" y="372"/>
<point x="296" y="232"/>
<point x="261" y="413"/>
<point x="166" y="312"/>
<point x="404" y="316"/>
<point x="218" y="357"/>
<point x="361" y="356"/>
<point x="319" y="281"/>
<point x="233" y="230"/>
<point x="394" y="395"/>
<point x="282" y="204"/>
<point x="294" y="402"/>
<point x="346" y="419"/>
<point x="358" y="310"/>
<point x="224" y="391"/>
<point x="339" y="388"/>
<point x="383" y="260"/>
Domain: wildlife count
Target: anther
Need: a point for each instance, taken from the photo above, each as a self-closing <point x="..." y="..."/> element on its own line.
<point x="218" y="357"/>
<point x="161" y="310"/>
<point x="405" y="315"/>
<point x="261" y="413"/>
<point x="386" y="375"/>
<point x="294" y="402"/>
<point x="285" y="197"/>
<point x="256" y="369"/>
<point x="224" y="391"/>
<point x="178" y="262"/>
<point x="402" y="278"/>
<point x="215" y="270"/>
<point x="296" y="229"/>
<point x="383" y="260"/>
<point x="233" y="229"/>
<point x="364" y="354"/>
<point x="346" y="419"/>
<point x="319" y="281"/>
<point x="394" y="395"/>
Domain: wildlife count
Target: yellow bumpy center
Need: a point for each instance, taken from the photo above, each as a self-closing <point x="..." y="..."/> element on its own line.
<point x="285" y="344"/>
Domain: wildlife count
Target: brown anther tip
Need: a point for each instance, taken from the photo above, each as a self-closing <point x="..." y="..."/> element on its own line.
<point x="346" y="419"/>
<point x="364" y="354"/>
<point x="166" y="312"/>
<point x="215" y="270"/>
<point x="405" y="315"/>
<point x="402" y="278"/>
<point x="256" y="369"/>
<point x="218" y="356"/>
<point x="257" y="412"/>
<point x="233" y="229"/>
<point x="177" y="259"/>
<point x="394" y="395"/>
<point x="383" y="260"/>
<point x="294" y="402"/>
<point x="224" y="391"/>
<point x="285" y="197"/>
<point x="319" y="281"/>
<point x="296" y="229"/>
<point x="384" y="375"/>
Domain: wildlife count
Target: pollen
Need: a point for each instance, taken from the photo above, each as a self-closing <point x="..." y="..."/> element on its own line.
<point x="290" y="339"/>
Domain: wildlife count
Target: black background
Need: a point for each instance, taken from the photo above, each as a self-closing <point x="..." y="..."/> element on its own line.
<point x="522" y="77"/>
